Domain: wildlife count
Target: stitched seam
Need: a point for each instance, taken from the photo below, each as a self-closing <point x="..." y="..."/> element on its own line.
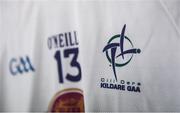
<point x="170" y="17"/>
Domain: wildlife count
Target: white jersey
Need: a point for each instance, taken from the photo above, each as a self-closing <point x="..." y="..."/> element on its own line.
<point x="94" y="56"/>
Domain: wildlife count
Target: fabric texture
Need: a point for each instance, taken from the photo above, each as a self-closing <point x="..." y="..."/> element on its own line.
<point x="42" y="41"/>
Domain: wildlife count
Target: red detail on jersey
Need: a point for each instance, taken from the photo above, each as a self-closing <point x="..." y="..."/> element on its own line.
<point x="69" y="100"/>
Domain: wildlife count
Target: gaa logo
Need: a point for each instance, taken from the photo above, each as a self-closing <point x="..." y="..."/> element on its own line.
<point x="120" y="50"/>
<point x="20" y="65"/>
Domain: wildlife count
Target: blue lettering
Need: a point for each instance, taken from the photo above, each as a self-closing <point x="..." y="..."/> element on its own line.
<point x="20" y="66"/>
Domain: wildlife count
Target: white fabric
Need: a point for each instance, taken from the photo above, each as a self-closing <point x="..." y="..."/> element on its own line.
<point x="153" y="26"/>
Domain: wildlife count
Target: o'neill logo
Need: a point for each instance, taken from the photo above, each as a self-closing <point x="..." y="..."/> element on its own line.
<point x="120" y="50"/>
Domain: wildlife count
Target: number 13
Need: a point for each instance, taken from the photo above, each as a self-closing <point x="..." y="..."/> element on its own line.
<point x="74" y="63"/>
